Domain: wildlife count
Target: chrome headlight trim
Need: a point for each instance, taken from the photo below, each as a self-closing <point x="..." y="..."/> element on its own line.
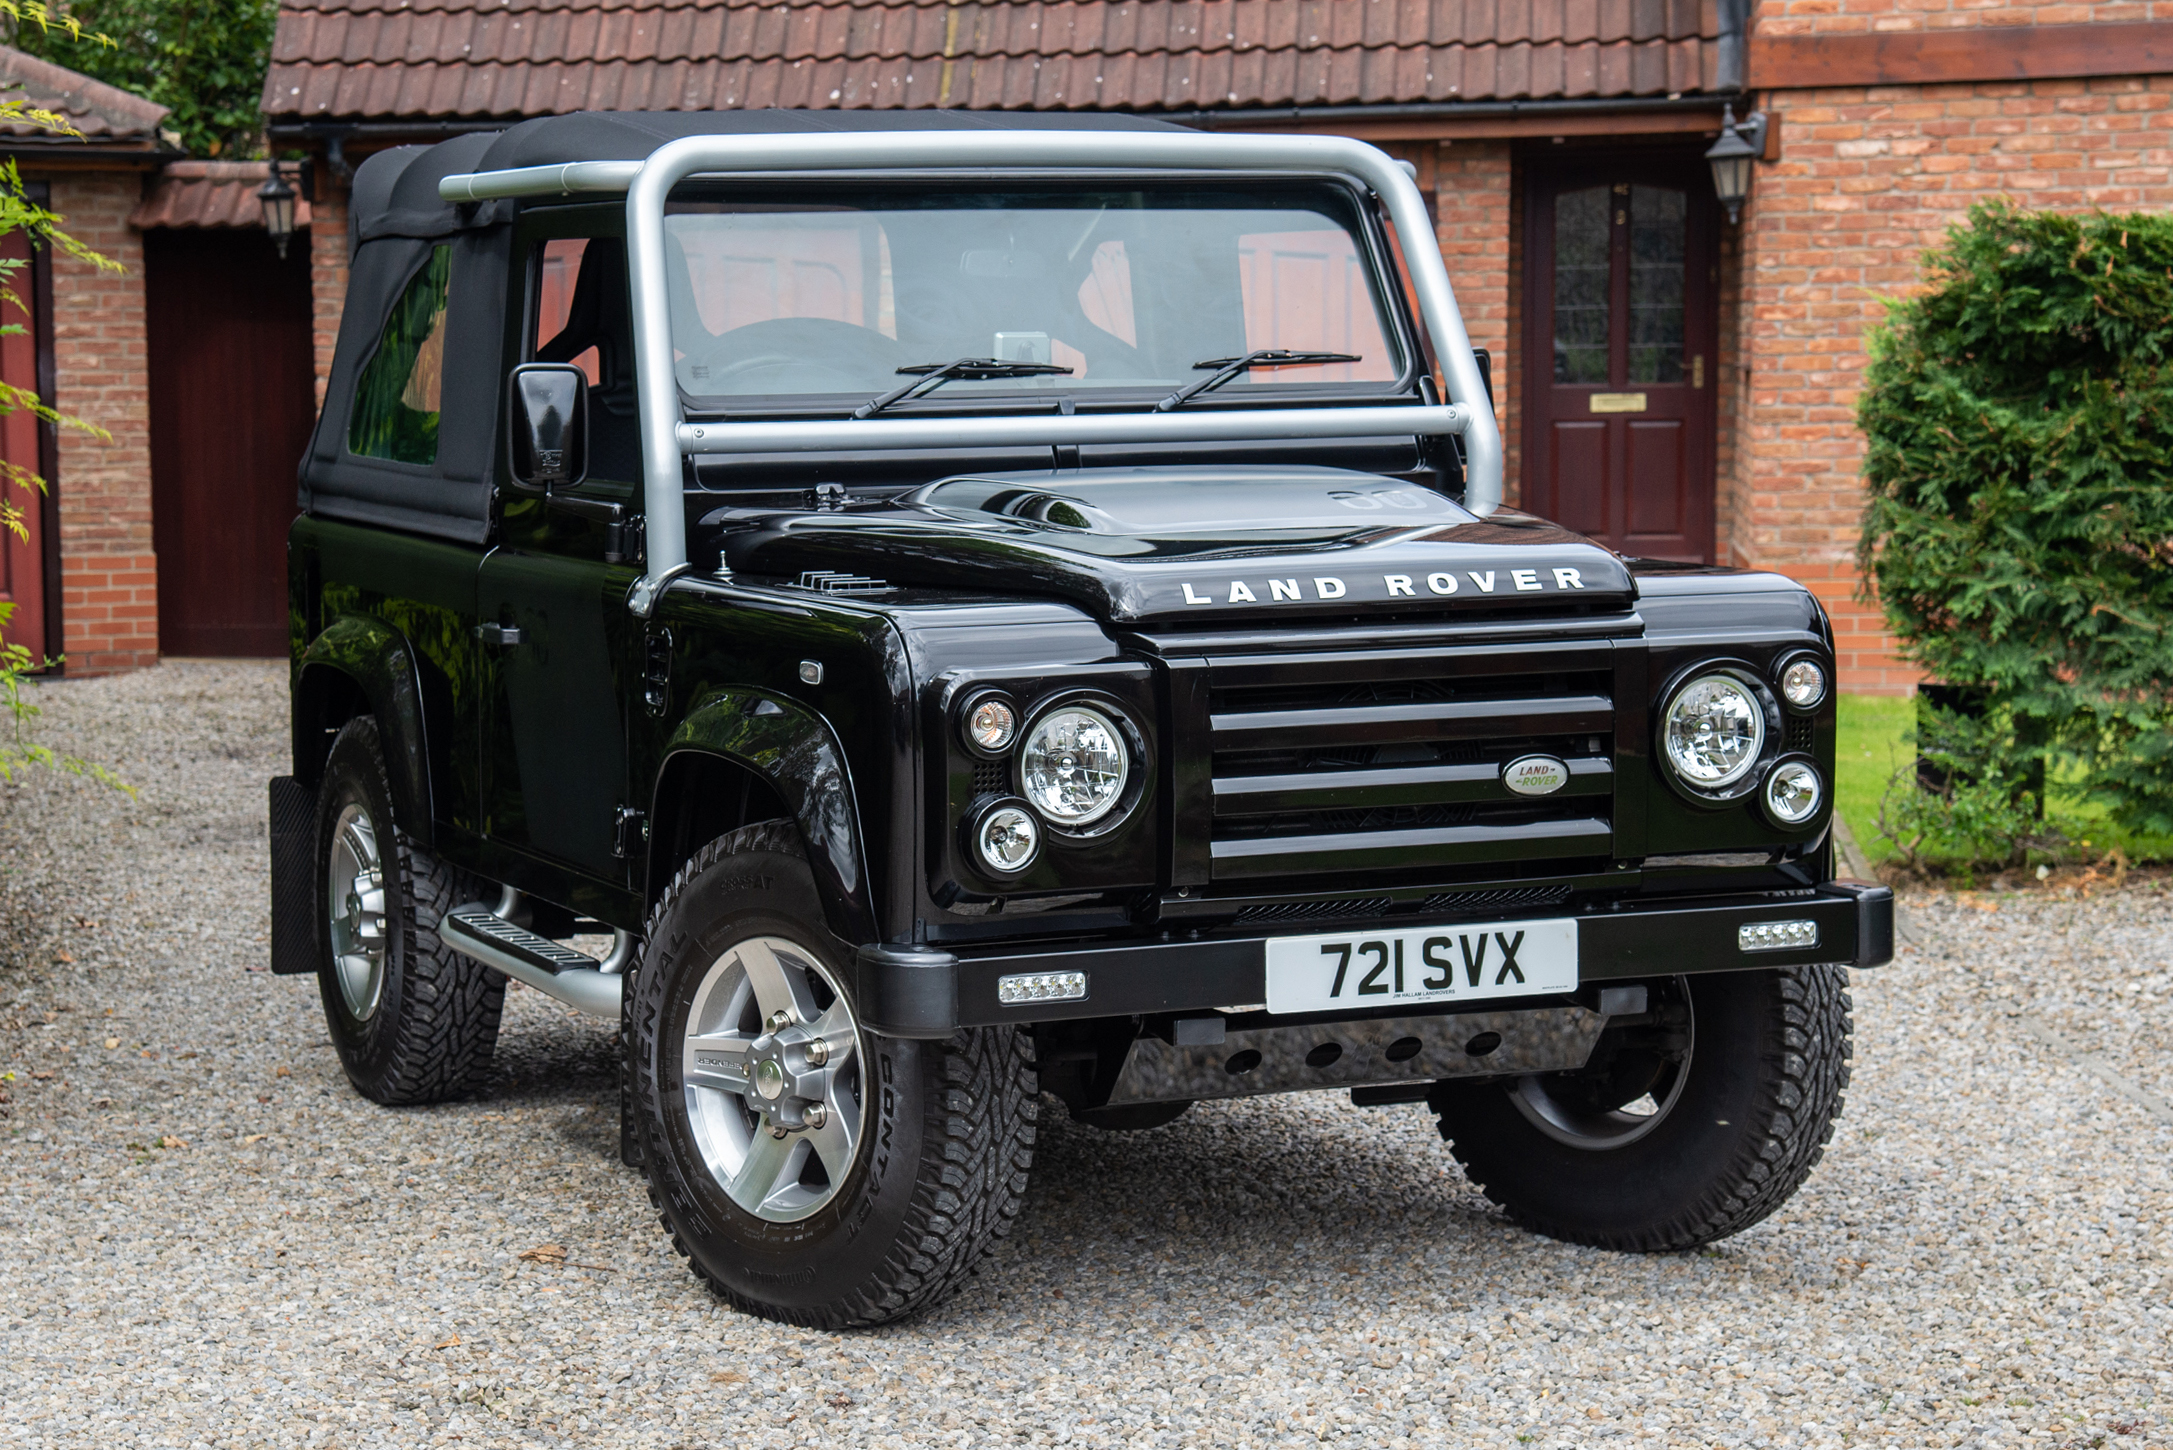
<point x="1718" y="682"/>
<point x="1121" y="781"/>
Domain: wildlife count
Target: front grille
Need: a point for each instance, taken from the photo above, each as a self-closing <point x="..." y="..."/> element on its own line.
<point x="1312" y="910"/>
<point x="1393" y="761"/>
<point x="1511" y="899"/>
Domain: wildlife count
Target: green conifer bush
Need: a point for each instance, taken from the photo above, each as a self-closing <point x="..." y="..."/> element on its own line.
<point x="2019" y="532"/>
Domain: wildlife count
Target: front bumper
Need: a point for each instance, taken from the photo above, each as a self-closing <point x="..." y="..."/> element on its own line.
<point x="915" y="991"/>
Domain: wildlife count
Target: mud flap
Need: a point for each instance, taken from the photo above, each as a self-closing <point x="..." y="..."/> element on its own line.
<point x="294" y="849"/>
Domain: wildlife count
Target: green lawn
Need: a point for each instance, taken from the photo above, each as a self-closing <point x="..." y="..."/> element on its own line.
<point x="1876" y="739"/>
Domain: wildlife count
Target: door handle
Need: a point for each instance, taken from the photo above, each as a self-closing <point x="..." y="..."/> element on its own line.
<point x="498" y="634"/>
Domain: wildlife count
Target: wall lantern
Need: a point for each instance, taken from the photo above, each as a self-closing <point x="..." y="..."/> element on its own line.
<point x="1730" y="157"/>
<point x="276" y="197"/>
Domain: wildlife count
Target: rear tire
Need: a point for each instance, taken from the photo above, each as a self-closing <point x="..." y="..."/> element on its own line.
<point x="412" y="1020"/>
<point x="916" y="1153"/>
<point x="1746" y="1081"/>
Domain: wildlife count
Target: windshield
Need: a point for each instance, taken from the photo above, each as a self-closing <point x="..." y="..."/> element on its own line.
<point x="800" y="302"/>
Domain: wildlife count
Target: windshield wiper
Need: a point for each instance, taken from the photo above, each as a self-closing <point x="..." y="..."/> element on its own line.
<point x="930" y="376"/>
<point x="1230" y="367"/>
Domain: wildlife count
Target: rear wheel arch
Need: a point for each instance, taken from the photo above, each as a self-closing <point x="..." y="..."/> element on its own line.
<point x="363" y="666"/>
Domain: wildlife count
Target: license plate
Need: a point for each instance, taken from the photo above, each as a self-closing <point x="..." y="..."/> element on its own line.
<point x="1424" y="964"/>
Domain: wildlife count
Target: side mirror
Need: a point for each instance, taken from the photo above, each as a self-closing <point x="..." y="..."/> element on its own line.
<point x="547" y="407"/>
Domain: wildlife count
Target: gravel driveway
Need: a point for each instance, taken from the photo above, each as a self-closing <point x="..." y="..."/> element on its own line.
<point x="207" y="1239"/>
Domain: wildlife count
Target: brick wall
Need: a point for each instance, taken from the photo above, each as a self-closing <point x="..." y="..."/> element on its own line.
<point x="327" y="268"/>
<point x="109" y="573"/>
<point x="1471" y="208"/>
<point x="1869" y="178"/>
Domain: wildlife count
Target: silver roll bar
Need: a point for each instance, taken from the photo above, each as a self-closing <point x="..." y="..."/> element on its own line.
<point x="666" y="437"/>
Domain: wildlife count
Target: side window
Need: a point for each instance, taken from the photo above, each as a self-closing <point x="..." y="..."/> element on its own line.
<point x="558" y="272"/>
<point x="396" y="404"/>
<point x="582" y="317"/>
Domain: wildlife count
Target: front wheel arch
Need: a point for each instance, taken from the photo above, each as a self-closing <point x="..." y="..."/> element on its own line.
<point x="755" y="748"/>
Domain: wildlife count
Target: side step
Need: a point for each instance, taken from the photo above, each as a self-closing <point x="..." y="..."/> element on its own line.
<point x="476" y="931"/>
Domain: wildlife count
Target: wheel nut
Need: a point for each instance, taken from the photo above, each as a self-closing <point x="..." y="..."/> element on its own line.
<point x="816" y="1115"/>
<point x="818" y="1052"/>
<point x="780" y="1020"/>
<point x="780" y="1132"/>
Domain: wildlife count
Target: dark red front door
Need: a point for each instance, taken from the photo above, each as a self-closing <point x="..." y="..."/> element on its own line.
<point x="1619" y="354"/>
<point x="232" y="404"/>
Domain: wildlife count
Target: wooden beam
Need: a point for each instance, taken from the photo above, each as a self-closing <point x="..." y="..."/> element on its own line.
<point x="1962" y="54"/>
<point x="1456" y="128"/>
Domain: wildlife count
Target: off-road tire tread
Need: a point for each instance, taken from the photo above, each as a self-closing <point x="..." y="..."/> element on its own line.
<point x="446" y="1028"/>
<point x="1800" y="1097"/>
<point x="981" y="1128"/>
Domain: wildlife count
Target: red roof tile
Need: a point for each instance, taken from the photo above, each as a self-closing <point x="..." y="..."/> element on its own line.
<point x="101" y="112"/>
<point x="412" y="59"/>
<point x="210" y="194"/>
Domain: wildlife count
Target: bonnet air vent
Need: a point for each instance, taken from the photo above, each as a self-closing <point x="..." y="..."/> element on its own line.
<point x="830" y="581"/>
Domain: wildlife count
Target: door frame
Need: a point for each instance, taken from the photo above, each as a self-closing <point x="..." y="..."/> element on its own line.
<point x="1546" y="175"/>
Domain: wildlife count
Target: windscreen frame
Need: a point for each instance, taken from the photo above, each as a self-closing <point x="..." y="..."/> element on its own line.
<point x="1350" y="210"/>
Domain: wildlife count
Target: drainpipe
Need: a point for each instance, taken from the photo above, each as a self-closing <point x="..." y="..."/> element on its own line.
<point x="1734" y="42"/>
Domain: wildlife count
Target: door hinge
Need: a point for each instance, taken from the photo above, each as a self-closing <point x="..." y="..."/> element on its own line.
<point x="632" y="832"/>
<point x="625" y="540"/>
<point x="498" y="634"/>
<point x="656" y="674"/>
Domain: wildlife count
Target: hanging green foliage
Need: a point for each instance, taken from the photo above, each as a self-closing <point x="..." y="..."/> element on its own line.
<point x="204" y="60"/>
<point x="2019" y="532"/>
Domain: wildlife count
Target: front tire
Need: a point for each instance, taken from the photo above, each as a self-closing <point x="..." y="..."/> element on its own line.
<point x="412" y="1020"/>
<point x="1684" y="1129"/>
<point x="810" y="1171"/>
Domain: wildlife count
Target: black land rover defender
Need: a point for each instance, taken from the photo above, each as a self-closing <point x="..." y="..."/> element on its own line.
<point x="994" y="609"/>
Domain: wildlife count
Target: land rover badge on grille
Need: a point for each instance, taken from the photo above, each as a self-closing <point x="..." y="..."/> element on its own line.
<point x="1535" y="775"/>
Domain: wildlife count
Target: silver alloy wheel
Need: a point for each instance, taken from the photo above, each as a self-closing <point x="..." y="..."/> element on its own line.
<point x="772" y="1079"/>
<point x="355" y="904"/>
<point x="1577" y="1126"/>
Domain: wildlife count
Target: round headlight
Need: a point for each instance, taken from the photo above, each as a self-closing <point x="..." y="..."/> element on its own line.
<point x="1713" y="731"/>
<point x="1007" y="839"/>
<point x="1075" y="764"/>
<point x="991" y="725"/>
<point x="1793" y="793"/>
<point x="1803" y="684"/>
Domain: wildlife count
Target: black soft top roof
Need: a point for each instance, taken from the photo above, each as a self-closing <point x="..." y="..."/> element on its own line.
<point x="396" y="192"/>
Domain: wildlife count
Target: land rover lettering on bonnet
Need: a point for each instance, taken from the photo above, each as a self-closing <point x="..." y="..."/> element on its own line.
<point x="928" y="620"/>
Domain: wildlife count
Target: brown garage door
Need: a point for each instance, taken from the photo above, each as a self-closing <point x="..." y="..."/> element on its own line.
<point x="232" y="403"/>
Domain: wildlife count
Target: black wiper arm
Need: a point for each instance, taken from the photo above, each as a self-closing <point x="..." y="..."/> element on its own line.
<point x="927" y="377"/>
<point x="1227" y="368"/>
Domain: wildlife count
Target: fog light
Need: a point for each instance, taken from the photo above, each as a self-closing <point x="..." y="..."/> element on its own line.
<point x="1776" y="936"/>
<point x="1793" y="793"/>
<point x="1803" y="684"/>
<point x="1041" y="987"/>
<point x="991" y="725"/>
<point x="1007" y="838"/>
